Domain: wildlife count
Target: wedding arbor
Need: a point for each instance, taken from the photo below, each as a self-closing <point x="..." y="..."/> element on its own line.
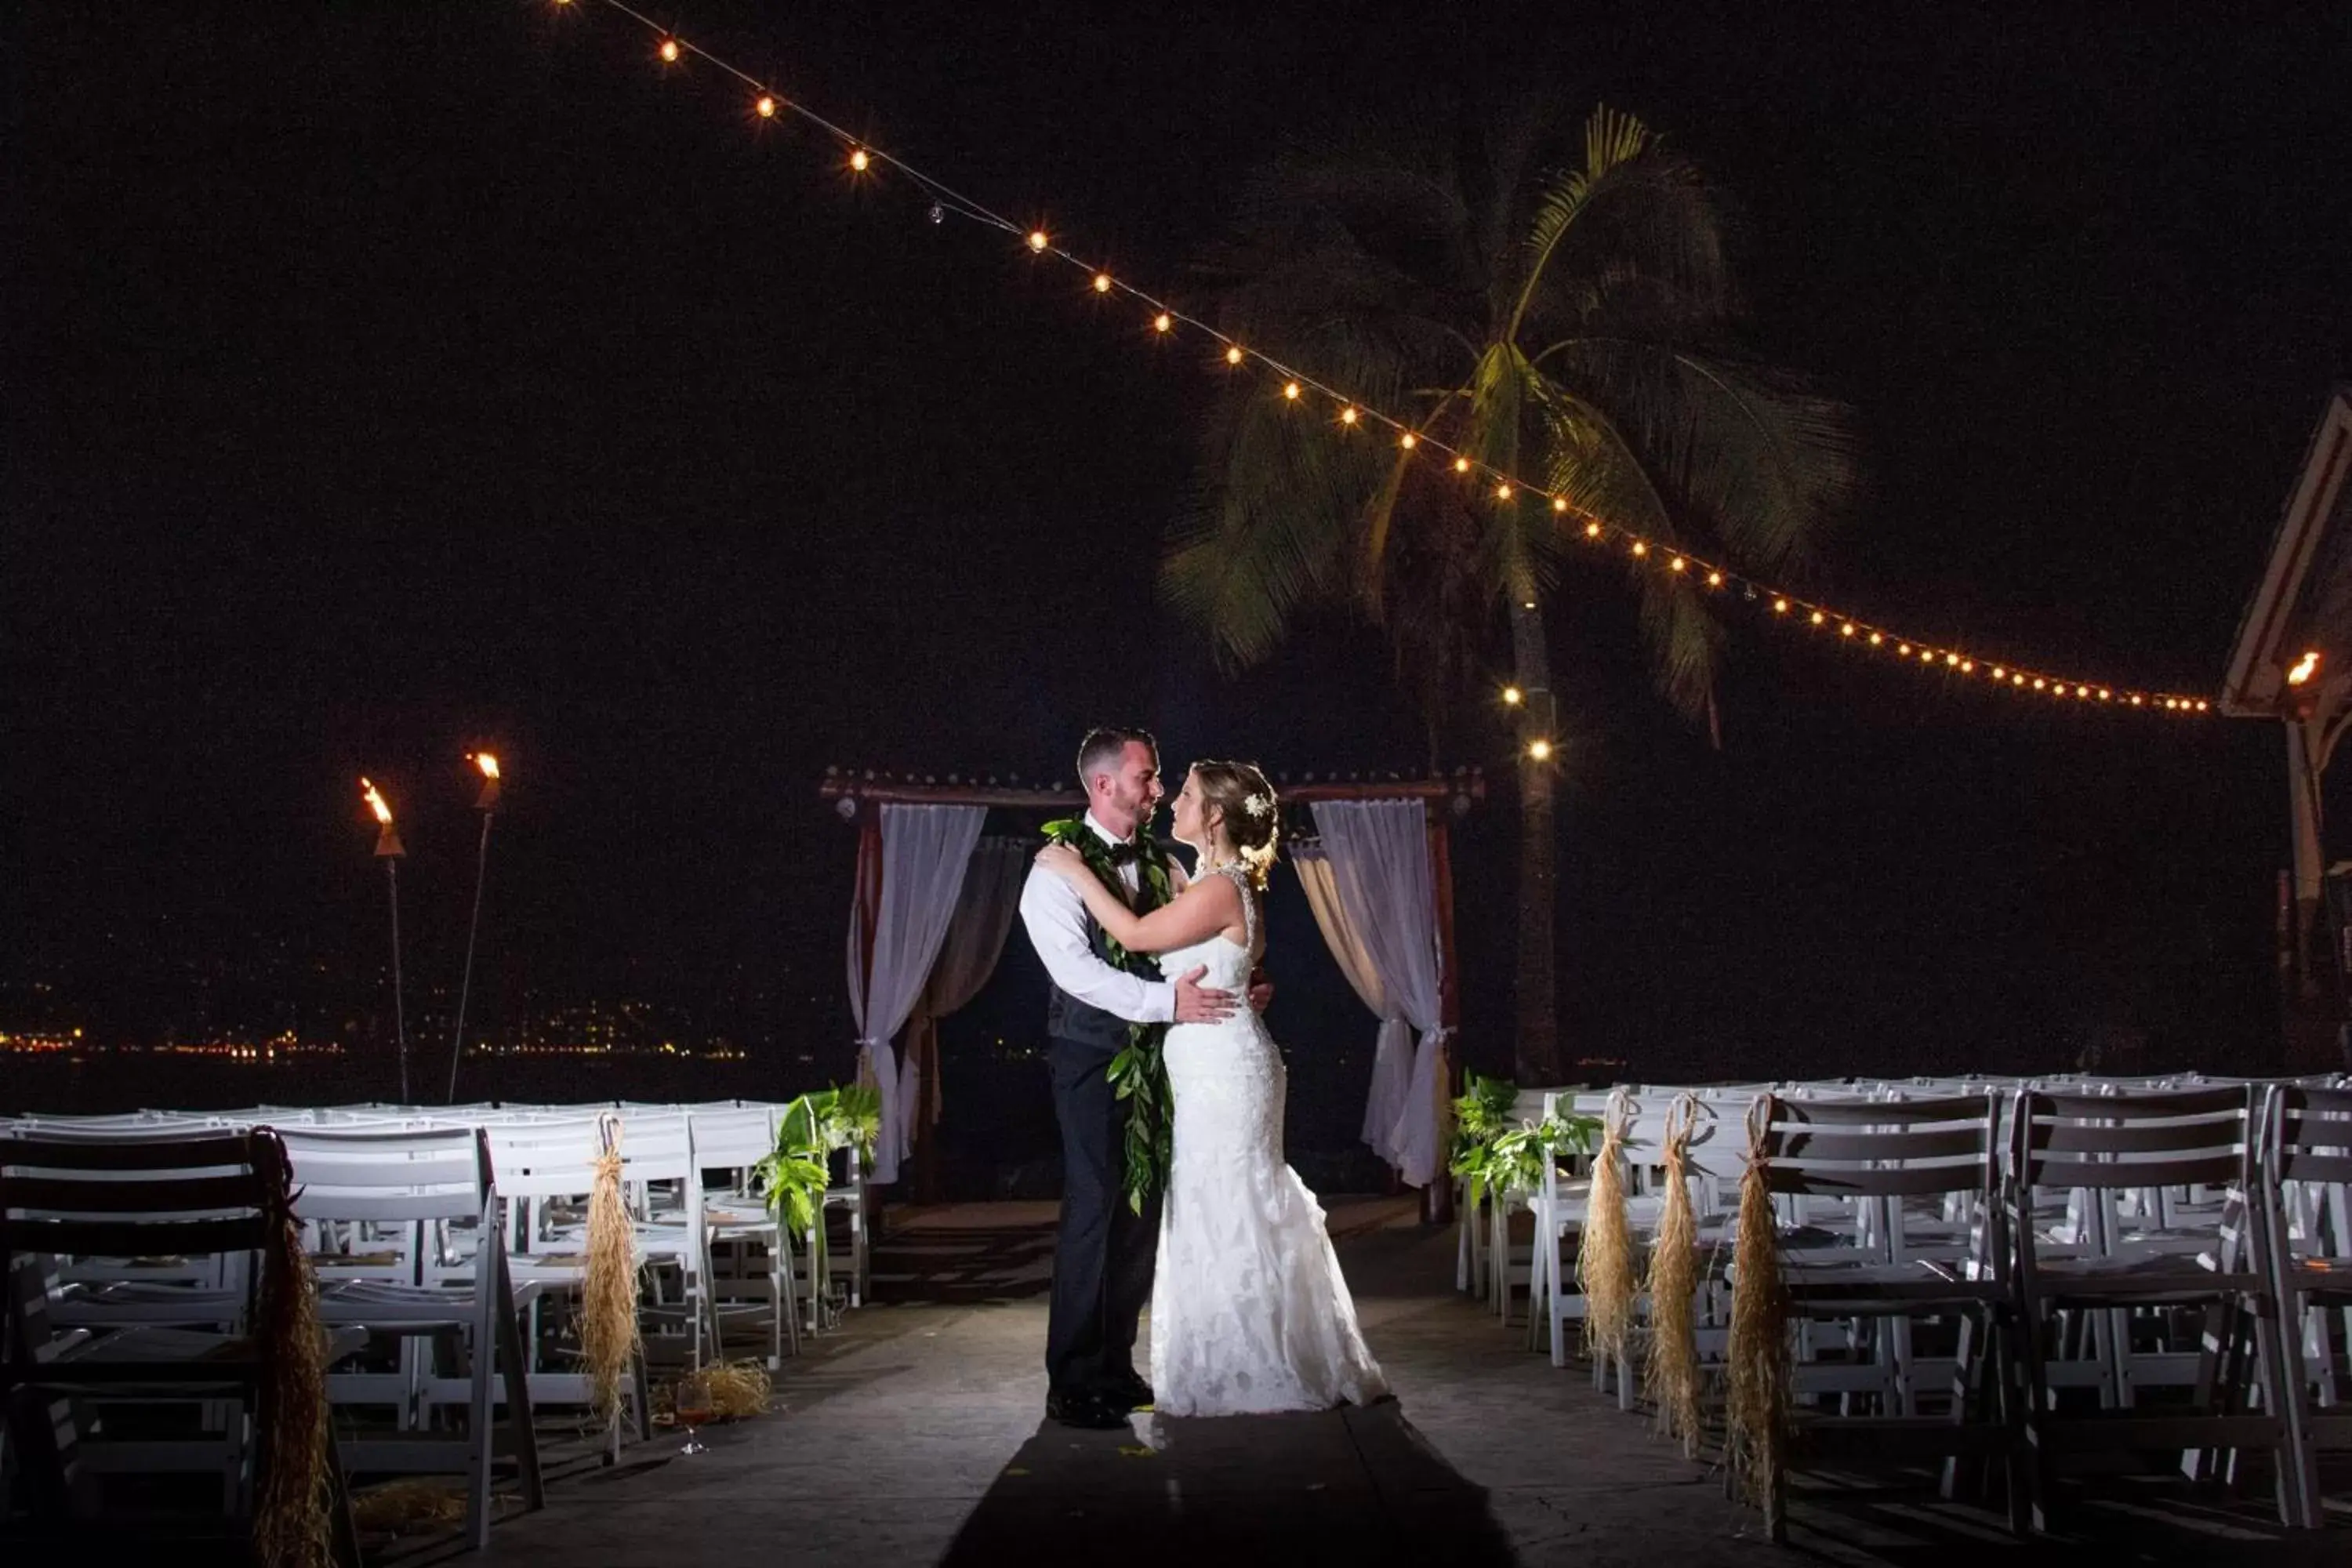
<point x="933" y="903"/>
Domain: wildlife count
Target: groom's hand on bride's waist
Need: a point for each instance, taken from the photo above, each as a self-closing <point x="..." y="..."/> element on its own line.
<point x="1261" y="991"/>
<point x="1199" y="1004"/>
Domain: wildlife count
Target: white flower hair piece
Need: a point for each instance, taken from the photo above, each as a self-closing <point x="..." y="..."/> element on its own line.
<point x="1258" y="804"/>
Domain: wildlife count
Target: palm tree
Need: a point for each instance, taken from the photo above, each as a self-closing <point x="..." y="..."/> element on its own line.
<point x="1571" y="326"/>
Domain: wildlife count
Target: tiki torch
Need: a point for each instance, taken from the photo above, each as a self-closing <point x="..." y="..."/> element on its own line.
<point x="487" y="803"/>
<point x="388" y="850"/>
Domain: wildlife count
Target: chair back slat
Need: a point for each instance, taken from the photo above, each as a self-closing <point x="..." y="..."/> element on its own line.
<point x="1882" y="1147"/>
<point x="2313" y="1141"/>
<point x="175" y="1150"/>
<point x="431" y="1174"/>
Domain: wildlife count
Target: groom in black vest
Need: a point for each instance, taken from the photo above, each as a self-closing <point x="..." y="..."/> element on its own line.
<point x="1103" y="1256"/>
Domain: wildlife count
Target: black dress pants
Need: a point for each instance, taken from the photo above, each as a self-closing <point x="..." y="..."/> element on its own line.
<point x="1104" y="1254"/>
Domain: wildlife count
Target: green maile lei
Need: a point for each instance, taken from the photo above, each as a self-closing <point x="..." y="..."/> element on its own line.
<point x="1138" y="1074"/>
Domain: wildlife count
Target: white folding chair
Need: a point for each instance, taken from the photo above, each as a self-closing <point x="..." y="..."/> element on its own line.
<point x="405" y="1187"/>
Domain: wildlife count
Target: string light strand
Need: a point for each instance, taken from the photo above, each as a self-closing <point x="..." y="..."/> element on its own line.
<point x="1501" y="489"/>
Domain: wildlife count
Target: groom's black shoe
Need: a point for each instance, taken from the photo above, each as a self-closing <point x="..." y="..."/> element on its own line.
<point x="1090" y="1412"/>
<point x="1130" y="1391"/>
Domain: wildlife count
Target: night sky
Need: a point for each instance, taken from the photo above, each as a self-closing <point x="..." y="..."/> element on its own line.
<point x="383" y="381"/>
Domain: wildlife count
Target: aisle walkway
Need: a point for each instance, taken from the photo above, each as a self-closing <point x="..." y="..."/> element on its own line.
<point x="916" y="1436"/>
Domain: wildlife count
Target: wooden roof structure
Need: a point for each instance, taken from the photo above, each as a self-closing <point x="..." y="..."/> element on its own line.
<point x="2292" y="663"/>
<point x="2304" y="604"/>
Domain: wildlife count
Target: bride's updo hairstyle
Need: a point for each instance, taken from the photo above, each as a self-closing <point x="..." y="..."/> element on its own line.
<point x="1252" y="816"/>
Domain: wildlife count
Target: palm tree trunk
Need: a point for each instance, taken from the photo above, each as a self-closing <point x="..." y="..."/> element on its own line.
<point x="1535" y="1056"/>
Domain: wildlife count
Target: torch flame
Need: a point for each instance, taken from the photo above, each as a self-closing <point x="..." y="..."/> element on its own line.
<point x="488" y="763"/>
<point x="2303" y="667"/>
<point x="375" y="803"/>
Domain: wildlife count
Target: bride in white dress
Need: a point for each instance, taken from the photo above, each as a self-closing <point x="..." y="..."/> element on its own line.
<point x="1249" y="1312"/>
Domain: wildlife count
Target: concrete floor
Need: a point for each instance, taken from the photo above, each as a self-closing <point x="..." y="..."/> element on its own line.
<point x="915" y="1435"/>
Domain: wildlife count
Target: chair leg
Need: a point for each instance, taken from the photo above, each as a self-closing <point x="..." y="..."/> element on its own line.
<point x="2297" y="1483"/>
<point x="479" y="1418"/>
<point x="342" y="1530"/>
<point x="516" y="1376"/>
<point x="2040" y="1475"/>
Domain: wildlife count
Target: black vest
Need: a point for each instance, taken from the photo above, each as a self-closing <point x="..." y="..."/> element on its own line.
<point x="1083" y="1024"/>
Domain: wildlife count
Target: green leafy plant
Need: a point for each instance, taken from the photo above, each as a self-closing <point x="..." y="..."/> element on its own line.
<point x="796" y="1175"/>
<point x="1496" y="1150"/>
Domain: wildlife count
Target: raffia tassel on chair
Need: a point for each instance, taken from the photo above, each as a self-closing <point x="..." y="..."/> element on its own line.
<point x="1755" y="1421"/>
<point x="608" y="1308"/>
<point x="1604" y="1253"/>
<point x="295" y="1484"/>
<point x="1670" y="1378"/>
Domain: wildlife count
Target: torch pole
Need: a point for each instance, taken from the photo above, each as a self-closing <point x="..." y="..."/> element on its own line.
<point x="399" y="1008"/>
<point x="466" y="986"/>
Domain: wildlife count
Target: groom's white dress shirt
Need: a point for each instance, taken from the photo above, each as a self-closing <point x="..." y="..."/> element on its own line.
<point x="1055" y="915"/>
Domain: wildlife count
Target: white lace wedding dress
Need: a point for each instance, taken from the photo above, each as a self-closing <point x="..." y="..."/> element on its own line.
<point x="1249" y="1312"/>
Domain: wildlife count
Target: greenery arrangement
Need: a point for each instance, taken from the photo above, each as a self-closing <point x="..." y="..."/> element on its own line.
<point x="1496" y="1150"/>
<point x="1138" y="1074"/>
<point x="796" y="1177"/>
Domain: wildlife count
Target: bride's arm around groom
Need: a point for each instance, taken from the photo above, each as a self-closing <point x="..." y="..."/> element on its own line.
<point x="1055" y="912"/>
<point x="1198" y="912"/>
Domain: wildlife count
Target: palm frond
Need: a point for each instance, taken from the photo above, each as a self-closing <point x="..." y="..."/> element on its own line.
<point x="1634" y="216"/>
<point x="1273" y="531"/>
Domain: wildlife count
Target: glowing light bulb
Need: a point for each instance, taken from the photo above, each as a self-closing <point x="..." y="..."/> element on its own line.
<point x="1641" y="547"/>
<point x="1290" y="390"/>
<point x="1780" y="606"/>
<point x="1952" y="658"/>
<point x="670" y="51"/>
<point x="1715" y="579"/>
<point x="1998" y="673"/>
<point x="1163" y="322"/>
<point x="858" y="160"/>
<point x="1847" y="630"/>
<point x="766" y="106"/>
<point x="1408" y="440"/>
<point x="2082" y="691"/>
<point x="1877" y="639"/>
<point x="1233" y="356"/>
<point x="2106" y="695"/>
<point x="1592" y="530"/>
<point x="1902" y="650"/>
<point x="1560" y="503"/>
<point x="2017" y="680"/>
<point x="1348" y="415"/>
<point x="1037" y="240"/>
<point x="2137" y="700"/>
<point x="1539" y="749"/>
<point x="1461" y="465"/>
<point x="1503" y="492"/>
<point x="1513" y="697"/>
<point x="1677" y="565"/>
<point x="1968" y="667"/>
<point x="1817" y="617"/>
<point x="1102" y="282"/>
<point x="2202" y="705"/>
